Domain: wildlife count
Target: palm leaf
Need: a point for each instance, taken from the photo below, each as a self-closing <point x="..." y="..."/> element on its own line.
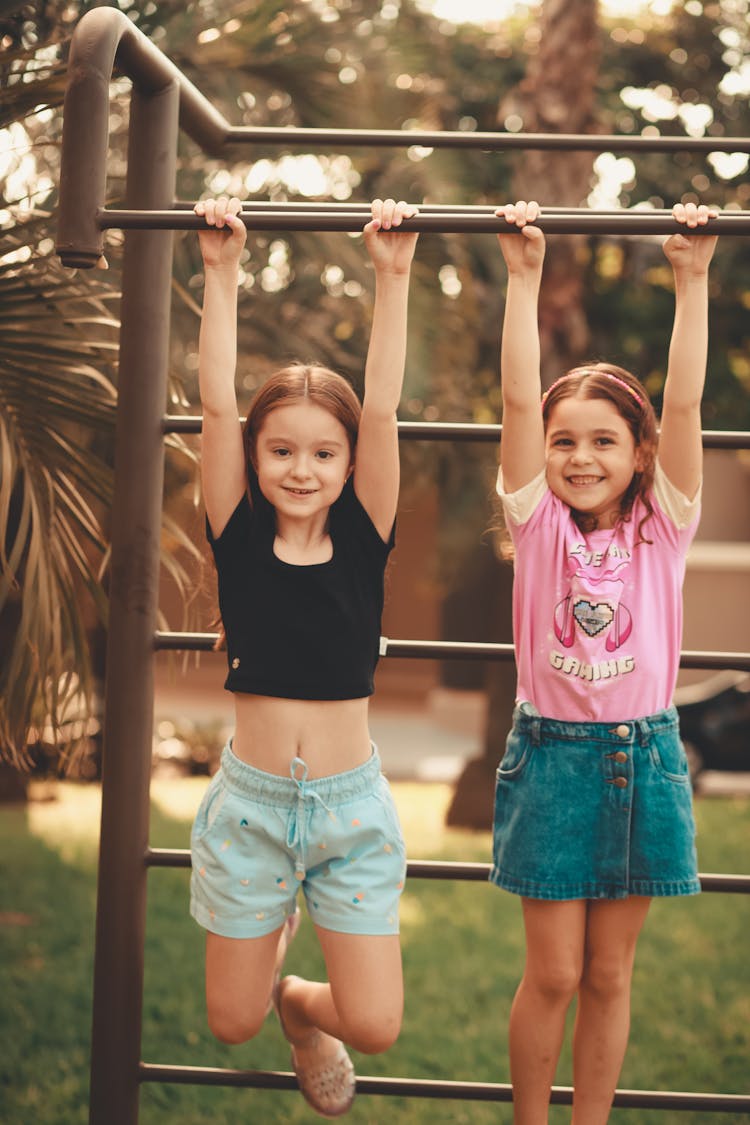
<point x="58" y="347"/>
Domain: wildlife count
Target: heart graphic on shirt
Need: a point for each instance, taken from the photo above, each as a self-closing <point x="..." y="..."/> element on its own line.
<point x="593" y="617"/>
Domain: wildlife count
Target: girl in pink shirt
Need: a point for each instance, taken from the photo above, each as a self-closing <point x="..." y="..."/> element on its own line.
<point x="593" y="810"/>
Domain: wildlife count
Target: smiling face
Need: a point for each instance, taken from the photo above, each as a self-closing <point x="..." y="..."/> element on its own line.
<point x="591" y="457"/>
<point x="302" y="458"/>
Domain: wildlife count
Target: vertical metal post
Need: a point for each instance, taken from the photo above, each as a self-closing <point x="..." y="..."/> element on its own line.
<point x="136" y="526"/>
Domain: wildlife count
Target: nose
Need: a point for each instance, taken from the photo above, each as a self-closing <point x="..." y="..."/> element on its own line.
<point x="300" y="469"/>
<point x="581" y="455"/>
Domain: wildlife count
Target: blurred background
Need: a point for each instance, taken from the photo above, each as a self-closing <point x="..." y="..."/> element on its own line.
<point x="611" y="67"/>
<point x="617" y="66"/>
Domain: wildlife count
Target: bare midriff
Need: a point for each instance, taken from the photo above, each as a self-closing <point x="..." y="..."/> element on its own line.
<point x="331" y="736"/>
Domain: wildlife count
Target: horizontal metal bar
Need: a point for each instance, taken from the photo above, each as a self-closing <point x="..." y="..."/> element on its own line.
<point x="574" y="222"/>
<point x="434" y="1088"/>
<point x="460" y="431"/>
<point x="461" y="872"/>
<point x="449" y="650"/>
<point x="363" y="208"/>
<point x="489" y="141"/>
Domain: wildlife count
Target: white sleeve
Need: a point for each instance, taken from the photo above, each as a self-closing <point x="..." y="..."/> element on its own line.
<point x="520" y="506"/>
<point x="674" y="503"/>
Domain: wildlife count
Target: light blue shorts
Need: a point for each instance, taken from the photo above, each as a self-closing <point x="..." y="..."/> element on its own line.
<point x="594" y="810"/>
<point x="258" y="838"/>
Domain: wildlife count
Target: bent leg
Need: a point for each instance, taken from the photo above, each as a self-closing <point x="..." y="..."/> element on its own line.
<point x="362" y="1004"/>
<point x="239" y="977"/>
<point x="555" y="934"/>
<point x="603" y="1017"/>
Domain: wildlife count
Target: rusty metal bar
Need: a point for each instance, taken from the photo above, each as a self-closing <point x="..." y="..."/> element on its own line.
<point x="462" y="431"/>
<point x="580" y="221"/>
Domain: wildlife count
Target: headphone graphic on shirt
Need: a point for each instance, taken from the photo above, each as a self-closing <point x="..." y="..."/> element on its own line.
<point x="593" y="618"/>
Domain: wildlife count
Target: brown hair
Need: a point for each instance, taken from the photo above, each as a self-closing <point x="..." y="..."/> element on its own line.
<point x="295" y="383"/>
<point x="630" y="400"/>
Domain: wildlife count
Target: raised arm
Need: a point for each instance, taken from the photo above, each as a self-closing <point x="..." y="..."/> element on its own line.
<point x="522" y="445"/>
<point x="680" y="446"/>
<point x="376" y="469"/>
<point x="222" y="457"/>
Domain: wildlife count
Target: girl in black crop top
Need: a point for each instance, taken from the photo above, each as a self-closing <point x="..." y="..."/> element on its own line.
<point x="300" y="508"/>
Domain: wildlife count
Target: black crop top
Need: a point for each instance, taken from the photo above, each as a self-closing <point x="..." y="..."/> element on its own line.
<point x="301" y="632"/>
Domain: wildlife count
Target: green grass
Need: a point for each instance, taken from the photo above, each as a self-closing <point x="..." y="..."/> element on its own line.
<point x="463" y="952"/>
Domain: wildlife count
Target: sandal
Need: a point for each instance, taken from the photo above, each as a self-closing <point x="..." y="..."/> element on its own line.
<point x="291" y="925"/>
<point x="329" y="1086"/>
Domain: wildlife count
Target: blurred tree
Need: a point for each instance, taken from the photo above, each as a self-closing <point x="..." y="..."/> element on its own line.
<point x="556" y="95"/>
<point x="395" y="66"/>
<point x="58" y="350"/>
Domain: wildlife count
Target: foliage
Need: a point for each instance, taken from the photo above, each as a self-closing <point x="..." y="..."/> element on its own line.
<point x="58" y="355"/>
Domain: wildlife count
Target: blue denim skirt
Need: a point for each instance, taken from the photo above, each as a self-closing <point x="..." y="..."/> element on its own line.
<point x="594" y="810"/>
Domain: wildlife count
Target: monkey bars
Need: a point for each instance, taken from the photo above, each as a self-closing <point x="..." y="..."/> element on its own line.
<point x="162" y="101"/>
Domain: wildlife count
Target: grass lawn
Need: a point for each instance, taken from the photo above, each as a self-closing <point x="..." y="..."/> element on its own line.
<point x="463" y="952"/>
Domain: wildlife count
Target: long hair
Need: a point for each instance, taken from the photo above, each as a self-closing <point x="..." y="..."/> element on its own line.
<point x="629" y="397"/>
<point x="302" y="382"/>
<point x="297" y="382"/>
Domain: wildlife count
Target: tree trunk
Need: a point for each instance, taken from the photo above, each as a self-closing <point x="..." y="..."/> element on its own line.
<point x="557" y="95"/>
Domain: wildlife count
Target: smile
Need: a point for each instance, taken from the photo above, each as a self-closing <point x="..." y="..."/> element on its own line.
<point x="584" y="480"/>
<point x="300" y="491"/>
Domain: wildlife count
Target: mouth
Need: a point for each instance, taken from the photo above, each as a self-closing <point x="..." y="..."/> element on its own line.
<point x="300" y="491"/>
<point x="583" y="480"/>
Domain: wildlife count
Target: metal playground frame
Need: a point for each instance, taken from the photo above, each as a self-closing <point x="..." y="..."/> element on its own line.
<point x="162" y="102"/>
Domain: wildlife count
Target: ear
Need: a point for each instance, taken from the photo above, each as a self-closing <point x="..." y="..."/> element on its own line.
<point x="640" y="459"/>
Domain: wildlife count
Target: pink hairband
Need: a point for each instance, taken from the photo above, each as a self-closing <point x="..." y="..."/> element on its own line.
<point x="595" y="371"/>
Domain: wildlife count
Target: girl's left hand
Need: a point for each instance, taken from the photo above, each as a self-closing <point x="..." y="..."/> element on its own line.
<point x="692" y="254"/>
<point x="390" y="253"/>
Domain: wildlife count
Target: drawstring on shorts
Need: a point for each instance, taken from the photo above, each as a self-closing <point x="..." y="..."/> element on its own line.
<point x="301" y="814"/>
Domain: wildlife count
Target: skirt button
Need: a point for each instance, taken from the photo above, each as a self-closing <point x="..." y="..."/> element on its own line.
<point x="623" y="730"/>
<point x="621" y="782"/>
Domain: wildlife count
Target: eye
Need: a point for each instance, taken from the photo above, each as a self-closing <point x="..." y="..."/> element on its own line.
<point x="280" y="451"/>
<point x="561" y="442"/>
<point x="605" y="441"/>
<point x="324" y="454"/>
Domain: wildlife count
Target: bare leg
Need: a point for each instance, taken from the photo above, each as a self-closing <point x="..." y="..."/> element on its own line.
<point x="363" y="1003"/>
<point x="555" y="935"/>
<point x="239" y="976"/>
<point x="603" y="1016"/>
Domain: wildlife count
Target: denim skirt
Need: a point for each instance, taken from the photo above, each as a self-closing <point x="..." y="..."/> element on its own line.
<point x="594" y="810"/>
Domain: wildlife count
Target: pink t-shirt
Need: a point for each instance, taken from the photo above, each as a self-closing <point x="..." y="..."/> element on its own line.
<point x="597" y="617"/>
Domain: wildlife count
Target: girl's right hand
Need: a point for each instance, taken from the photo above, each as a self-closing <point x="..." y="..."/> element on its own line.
<point x="524" y="254"/>
<point x="221" y="247"/>
<point x="390" y="253"/>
